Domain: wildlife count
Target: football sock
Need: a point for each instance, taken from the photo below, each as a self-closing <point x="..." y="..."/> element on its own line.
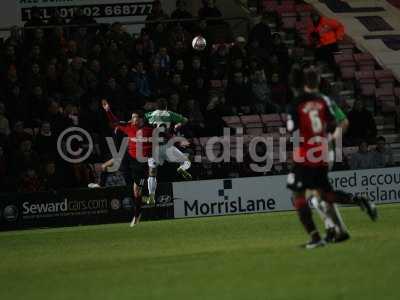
<point x="138" y="206"/>
<point x="325" y="213"/>
<point x="152" y="185"/>
<point x="305" y="217"/>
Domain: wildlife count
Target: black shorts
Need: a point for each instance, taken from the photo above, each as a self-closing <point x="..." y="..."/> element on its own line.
<point x="304" y="177"/>
<point x="139" y="170"/>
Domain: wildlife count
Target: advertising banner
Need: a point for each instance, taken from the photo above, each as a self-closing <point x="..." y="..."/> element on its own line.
<point x="231" y="196"/>
<point x="269" y="194"/>
<point x="78" y="207"/>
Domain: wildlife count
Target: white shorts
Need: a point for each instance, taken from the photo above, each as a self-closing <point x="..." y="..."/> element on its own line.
<point x="169" y="154"/>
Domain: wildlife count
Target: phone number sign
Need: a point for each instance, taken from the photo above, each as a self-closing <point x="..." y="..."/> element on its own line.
<point x="101" y="10"/>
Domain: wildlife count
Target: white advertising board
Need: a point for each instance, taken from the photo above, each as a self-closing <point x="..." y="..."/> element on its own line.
<point x="268" y="194"/>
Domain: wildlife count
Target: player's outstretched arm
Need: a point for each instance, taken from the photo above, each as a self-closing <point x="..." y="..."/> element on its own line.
<point x="111" y="117"/>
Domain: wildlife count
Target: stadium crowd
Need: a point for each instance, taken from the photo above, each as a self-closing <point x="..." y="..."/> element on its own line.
<point x="54" y="78"/>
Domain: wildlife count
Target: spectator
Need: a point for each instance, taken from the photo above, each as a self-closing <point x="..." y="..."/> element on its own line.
<point x="213" y="121"/>
<point x="362" y="124"/>
<point x="182" y="13"/>
<point x="239" y="49"/>
<point x="34" y="77"/>
<point x="191" y="110"/>
<point x="262" y="93"/>
<point x="18" y="135"/>
<point x="46" y="143"/>
<point x="52" y="80"/>
<point x="197" y="70"/>
<point x="179" y="34"/>
<point x="279" y="92"/>
<point x="164" y="59"/>
<point x="140" y="52"/>
<point x="26" y="157"/>
<point x="58" y="122"/>
<point x="8" y="58"/>
<point x="261" y="33"/>
<point x="74" y="79"/>
<point x="160" y="36"/>
<point x="140" y="77"/>
<point x="157" y="77"/>
<point x="281" y="51"/>
<point x="3" y="168"/>
<point x="177" y="84"/>
<point x="257" y="53"/>
<point x="174" y="103"/>
<point x="199" y="92"/>
<point x="323" y="35"/>
<point x="363" y="159"/>
<point x="37" y="105"/>
<point x="382" y="155"/>
<point x="239" y="95"/>
<point x="52" y="179"/>
<point x="29" y="181"/>
<point x="4" y="123"/>
<point x="209" y="10"/>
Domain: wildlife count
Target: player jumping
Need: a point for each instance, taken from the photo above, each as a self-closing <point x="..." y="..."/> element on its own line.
<point x="163" y="119"/>
<point x="139" y="150"/>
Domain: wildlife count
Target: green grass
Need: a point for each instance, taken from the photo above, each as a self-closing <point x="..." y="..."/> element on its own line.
<point x="235" y="257"/>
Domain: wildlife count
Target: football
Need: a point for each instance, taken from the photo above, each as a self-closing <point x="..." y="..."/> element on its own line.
<point x="199" y="43"/>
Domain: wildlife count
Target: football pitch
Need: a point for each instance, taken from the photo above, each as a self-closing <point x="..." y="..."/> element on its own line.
<point x="233" y="257"/>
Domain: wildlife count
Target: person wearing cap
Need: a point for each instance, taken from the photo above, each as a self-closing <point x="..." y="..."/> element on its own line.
<point x="323" y="35"/>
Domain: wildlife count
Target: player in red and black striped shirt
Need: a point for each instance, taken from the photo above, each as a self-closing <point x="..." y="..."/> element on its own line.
<point x="311" y="114"/>
<point x="139" y="150"/>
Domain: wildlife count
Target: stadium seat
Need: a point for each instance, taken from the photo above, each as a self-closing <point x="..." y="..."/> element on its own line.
<point x="365" y="75"/>
<point x="274" y="119"/>
<point x="363" y="58"/>
<point x="270" y="6"/>
<point x="346" y="48"/>
<point x="289" y="20"/>
<point x="397" y="92"/>
<point x="366" y="82"/>
<point x="233" y="121"/>
<point x="343" y="58"/>
<point x="385" y="78"/>
<point x="387" y="103"/>
<point x="384" y="91"/>
<point x="347" y="70"/>
<point x="256" y="131"/>
<point x="252" y="124"/>
<point x="365" y="61"/>
<point x="304" y="9"/>
<point x="392" y="138"/>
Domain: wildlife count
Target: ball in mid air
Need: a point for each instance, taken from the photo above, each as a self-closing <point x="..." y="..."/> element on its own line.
<point x="199" y="43"/>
